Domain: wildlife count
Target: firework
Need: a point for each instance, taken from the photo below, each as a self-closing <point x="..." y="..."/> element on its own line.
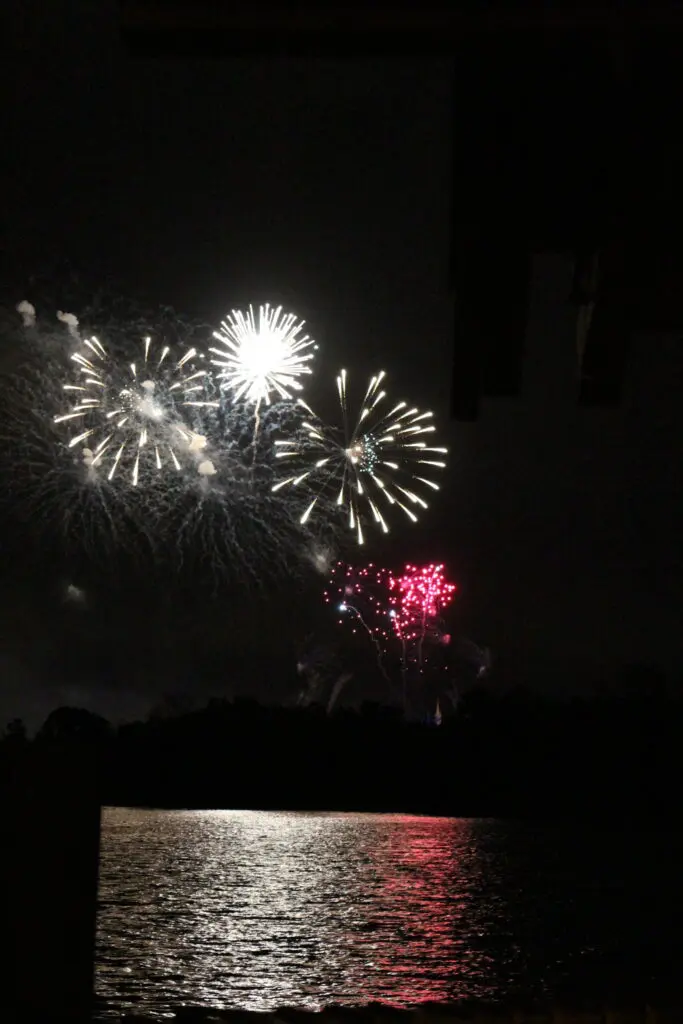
<point x="360" y="596"/>
<point x="403" y="616"/>
<point x="420" y="596"/>
<point x="208" y="507"/>
<point x="134" y="420"/>
<point x="262" y="357"/>
<point x="377" y="461"/>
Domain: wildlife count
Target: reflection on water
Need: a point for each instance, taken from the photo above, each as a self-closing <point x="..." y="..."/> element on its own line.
<point x="262" y="910"/>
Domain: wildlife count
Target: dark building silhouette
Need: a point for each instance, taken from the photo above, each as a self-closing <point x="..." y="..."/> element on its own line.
<point x="564" y="139"/>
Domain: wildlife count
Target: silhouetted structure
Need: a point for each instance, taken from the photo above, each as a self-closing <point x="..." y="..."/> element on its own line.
<point x="567" y="155"/>
<point x="563" y="141"/>
<point x="51" y="819"/>
<point x="514" y="754"/>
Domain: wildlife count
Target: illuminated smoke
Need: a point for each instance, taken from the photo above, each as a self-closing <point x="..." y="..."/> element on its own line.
<point x="28" y="313"/>
<point x="71" y="322"/>
<point x="135" y="418"/>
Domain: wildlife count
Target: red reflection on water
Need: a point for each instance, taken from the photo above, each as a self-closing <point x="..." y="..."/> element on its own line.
<point x="423" y="878"/>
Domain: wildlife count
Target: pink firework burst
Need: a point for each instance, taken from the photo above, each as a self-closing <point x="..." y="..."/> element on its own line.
<point x="420" y="595"/>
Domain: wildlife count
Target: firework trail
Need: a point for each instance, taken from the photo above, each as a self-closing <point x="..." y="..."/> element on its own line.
<point x="262" y="357"/>
<point x="234" y="519"/>
<point x="318" y="666"/>
<point x="51" y="498"/>
<point x="363" y="592"/>
<point x="374" y="462"/>
<point x="231" y="531"/>
<point x="337" y="689"/>
<point x="469" y="664"/>
<point x="134" y="420"/>
<point x="346" y="606"/>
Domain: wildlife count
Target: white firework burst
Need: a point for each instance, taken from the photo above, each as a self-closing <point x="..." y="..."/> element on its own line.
<point x="264" y="356"/>
<point x="134" y="420"/>
<point x="379" y="462"/>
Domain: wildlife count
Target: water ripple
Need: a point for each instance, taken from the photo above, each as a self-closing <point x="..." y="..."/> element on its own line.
<point x="257" y="910"/>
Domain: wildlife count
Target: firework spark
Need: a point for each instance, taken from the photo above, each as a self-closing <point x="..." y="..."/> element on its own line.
<point x="263" y="357"/>
<point x="135" y="419"/>
<point x="378" y="461"/>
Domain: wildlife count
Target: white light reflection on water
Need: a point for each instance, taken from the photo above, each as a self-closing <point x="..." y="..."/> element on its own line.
<point x="261" y="910"/>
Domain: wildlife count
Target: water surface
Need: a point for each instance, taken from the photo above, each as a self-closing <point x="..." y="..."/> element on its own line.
<point x="258" y="910"/>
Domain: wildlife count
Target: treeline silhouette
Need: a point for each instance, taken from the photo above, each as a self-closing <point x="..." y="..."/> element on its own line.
<point x="519" y="753"/>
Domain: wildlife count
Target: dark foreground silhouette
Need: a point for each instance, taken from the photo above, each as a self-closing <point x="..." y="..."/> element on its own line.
<point x="474" y="1013"/>
<point x="614" y="754"/>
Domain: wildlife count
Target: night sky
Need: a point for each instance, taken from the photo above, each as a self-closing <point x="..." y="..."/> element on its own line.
<point x="326" y="186"/>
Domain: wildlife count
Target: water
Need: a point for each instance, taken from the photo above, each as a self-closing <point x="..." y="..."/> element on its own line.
<point x="256" y="910"/>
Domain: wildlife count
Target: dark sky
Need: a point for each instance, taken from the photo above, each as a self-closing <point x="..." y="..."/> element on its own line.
<point x="327" y="185"/>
